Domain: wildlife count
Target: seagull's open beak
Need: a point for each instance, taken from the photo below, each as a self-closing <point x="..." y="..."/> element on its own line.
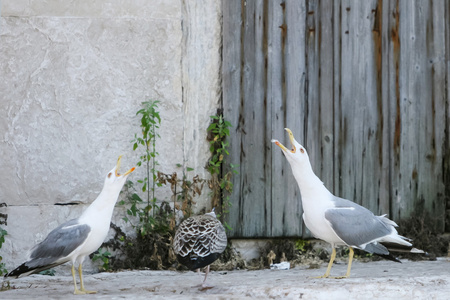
<point x="118" y="168"/>
<point x="291" y="138"/>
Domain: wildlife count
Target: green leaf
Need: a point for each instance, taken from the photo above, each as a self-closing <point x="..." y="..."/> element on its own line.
<point x="211" y="126"/>
<point x="135" y="197"/>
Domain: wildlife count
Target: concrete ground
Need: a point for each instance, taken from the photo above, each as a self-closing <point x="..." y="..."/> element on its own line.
<point x="372" y="280"/>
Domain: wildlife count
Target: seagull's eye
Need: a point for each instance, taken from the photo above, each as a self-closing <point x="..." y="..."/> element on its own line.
<point x="109" y="175"/>
<point x="302" y="150"/>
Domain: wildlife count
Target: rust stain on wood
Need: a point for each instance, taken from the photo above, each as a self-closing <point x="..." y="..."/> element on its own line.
<point x="376" y="32"/>
<point x="396" y="49"/>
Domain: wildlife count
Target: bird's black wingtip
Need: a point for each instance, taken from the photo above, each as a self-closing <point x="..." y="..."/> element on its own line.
<point x="389" y="257"/>
<point x="20" y="270"/>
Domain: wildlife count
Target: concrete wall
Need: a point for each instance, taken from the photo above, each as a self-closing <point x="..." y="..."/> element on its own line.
<point x="73" y="76"/>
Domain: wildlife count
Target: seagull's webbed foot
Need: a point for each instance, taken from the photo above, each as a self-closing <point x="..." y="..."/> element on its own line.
<point x="82" y="290"/>
<point x="339" y="277"/>
<point x="323" y="276"/>
<point x="88" y="292"/>
<point x="78" y="292"/>
<point x="330" y="264"/>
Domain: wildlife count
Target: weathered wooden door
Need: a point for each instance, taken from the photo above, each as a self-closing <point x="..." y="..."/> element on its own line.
<point x="363" y="86"/>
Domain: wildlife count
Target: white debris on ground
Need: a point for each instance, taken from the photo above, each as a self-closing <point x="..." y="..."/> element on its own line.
<point x="285" y="265"/>
<point x="373" y="280"/>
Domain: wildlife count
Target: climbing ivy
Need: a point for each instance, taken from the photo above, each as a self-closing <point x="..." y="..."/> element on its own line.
<point x="221" y="184"/>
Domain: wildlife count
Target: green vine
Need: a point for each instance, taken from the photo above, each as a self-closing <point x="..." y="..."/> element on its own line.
<point x="220" y="183"/>
<point x="3" y="233"/>
<point x="146" y="210"/>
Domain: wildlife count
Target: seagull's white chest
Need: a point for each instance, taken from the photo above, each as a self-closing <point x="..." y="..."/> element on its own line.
<point x="98" y="218"/>
<point x="99" y="231"/>
<point x="314" y="216"/>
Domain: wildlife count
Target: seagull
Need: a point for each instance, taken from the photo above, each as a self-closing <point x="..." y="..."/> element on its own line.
<point x="74" y="240"/>
<point x="199" y="241"/>
<point x="338" y="221"/>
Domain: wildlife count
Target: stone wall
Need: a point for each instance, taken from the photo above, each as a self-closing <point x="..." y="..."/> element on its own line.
<point x="74" y="75"/>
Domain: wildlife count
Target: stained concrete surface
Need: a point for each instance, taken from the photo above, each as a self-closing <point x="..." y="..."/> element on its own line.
<point x="373" y="280"/>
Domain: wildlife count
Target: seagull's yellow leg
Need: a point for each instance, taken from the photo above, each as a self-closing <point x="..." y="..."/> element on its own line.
<point x="76" y="291"/>
<point x="80" y="273"/>
<point x="350" y="259"/>
<point x="330" y="264"/>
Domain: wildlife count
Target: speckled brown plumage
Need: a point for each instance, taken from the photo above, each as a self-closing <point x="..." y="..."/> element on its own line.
<point x="199" y="241"/>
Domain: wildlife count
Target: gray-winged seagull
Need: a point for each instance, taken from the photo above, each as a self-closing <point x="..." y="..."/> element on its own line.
<point x="74" y="240"/>
<point x="338" y="221"/>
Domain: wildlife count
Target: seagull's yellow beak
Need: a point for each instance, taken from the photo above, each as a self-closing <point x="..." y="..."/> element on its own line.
<point x="291" y="138"/>
<point x="118" y="168"/>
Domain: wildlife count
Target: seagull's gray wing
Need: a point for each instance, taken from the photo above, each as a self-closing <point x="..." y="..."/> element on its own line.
<point x="358" y="226"/>
<point x="59" y="243"/>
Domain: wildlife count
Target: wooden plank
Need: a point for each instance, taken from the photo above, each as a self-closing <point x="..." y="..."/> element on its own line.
<point x="404" y="178"/>
<point x="418" y="156"/>
<point x="431" y="110"/>
<point x="358" y="114"/>
<point x="436" y="40"/>
<point x="286" y="204"/>
<point x="419" y="138"/>
<point x="319" y="119"/>
<point x="325" y="48"/>
<point x="446" y="145"/>
<point x="312" y="120"/>
<point x="231" y="78"/>
<point x="276" y="99"/>
<point x="383" y="59"/>
<point x="254" y="143"/>
<point x="393" y="96"/>
<point x="337" y="125"/>
<point x="251" y="216"/>
<point x="248" y="137"/>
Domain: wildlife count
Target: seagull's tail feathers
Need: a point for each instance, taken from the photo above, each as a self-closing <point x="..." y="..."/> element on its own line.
<point x="379" y="249"/>
<point x="401" y="248"/>
<point x="395" y="242"/>
<point x="32" y="267"/>
<point x="392" y="242"/>
<point x="390" y="257"/>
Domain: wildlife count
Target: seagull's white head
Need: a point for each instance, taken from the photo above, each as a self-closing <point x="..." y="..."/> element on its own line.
<point x="114" y="180"/>
<point x="297" y="155"/>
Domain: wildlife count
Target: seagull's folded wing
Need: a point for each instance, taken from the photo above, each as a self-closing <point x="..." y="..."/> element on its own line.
<point x="60" y="242"/>
<point x="358" y="227"/>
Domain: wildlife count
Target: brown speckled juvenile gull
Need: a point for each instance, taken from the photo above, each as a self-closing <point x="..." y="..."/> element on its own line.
<point x="338" y="221"/>
<point x="74" y="240"/>
<point x="199" y="241"/>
